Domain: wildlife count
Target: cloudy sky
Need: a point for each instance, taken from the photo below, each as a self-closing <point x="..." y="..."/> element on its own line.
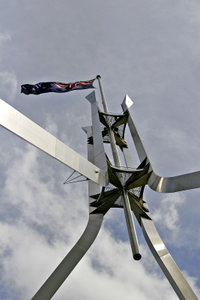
<point x="146" y="49"/>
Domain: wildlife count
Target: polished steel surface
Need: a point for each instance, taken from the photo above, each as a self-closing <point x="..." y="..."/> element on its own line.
<point x="130" y="226"/>
<point x="67" y="265"/>
<point x="156" y="182"/>
<point x="174" y="184"/>
<point x="19" y="124"/>
<point x="166" y="262"/>
<point x="95" y="169"/>
<point x="105" y="107"/>
<point x="56" y="279"/>
<point x="99" y="152"/>
<point x="110" y="131"/>
<point x="159" y="250"/>
<point x="125" y="199"/>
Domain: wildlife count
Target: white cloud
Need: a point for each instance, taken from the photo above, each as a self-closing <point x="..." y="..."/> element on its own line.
<point x="167" y="215"/>
<point x="30" y="259"/>
<point x="148" y="49"/>
<point x="49" y="221"/>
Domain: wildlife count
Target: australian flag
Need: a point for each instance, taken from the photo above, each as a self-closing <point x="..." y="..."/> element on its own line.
<point x="56" y="87"/>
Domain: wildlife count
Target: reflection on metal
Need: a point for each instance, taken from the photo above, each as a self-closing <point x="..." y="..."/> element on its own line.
<point x="161" y="254"/>
<point x="16" y="122"/>
<point x="99" y="152"/>
<point x="174" y="184"/>
<point x="166" y="262"/>
<point x="131" y="226"/>
<point x="67" y="265"/>
<point x="156" y="182"/>
<point x="56" y="279"/>
<point x="109" y="185"/>
<point x="112" y="128"/>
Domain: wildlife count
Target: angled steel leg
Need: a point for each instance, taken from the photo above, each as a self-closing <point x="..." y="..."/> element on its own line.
<point x="99" y="152"/>
<point x="100" y="161"/>
<point x="56" y="279"/>
<point x="161" y="254"/>
<point x="63" y="270"/>
<point x="166" y="262"/>
<point x="22" y="126"/>
<point x="19" y="124"/>
<point x="174" y="184"/>
<point x="14" y="121"/>
<point x="156" y="182"/>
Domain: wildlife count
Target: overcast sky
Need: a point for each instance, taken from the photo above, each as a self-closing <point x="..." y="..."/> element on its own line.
<point x="146" y="49"/>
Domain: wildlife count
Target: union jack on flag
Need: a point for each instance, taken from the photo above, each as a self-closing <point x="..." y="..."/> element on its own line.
<point x="56" y="87"/>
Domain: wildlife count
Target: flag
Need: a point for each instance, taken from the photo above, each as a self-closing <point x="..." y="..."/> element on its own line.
<point x="56" y="87"/>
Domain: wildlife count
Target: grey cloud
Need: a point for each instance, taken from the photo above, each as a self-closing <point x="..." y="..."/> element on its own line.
<point x="148" y="49"/>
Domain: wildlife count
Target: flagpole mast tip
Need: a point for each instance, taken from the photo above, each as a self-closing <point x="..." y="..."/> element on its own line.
<point x="98" y="77"/>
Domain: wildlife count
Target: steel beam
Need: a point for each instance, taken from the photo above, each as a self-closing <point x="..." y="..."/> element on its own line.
<point x="67" y="265"/>
<point x="99" y="152"/>
<point x="166" y="262"/>
<point x="22" y="126"/>
<point x="56" y="279"/>
<point x="161" y="254"/>
<point x="156" y="182"/>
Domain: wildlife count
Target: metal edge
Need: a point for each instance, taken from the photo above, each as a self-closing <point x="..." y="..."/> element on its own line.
<point x="166" y="262"/>
<point x="60" y="274"/>
<point x="161" y="254"/>
<point x="159" y="183"/>
<point x="25" y="128"/>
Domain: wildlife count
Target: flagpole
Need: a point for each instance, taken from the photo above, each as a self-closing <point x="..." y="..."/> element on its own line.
<point x="110" y="132"/>
<point x="102" y="95"/>
<point x="125" y="198"/>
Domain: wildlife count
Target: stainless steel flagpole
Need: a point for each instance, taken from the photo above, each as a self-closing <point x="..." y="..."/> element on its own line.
<point x="125" y="199"/>
<point x="110" y="132"/>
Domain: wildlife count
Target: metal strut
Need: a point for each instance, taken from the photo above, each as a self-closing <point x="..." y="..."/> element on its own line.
<point x="125" y="199"/>
<point x="67" y="265"/>
<point x="154" y="241"/>
<point x="56" y="279"/>
<point x="96" y="169"/>
<point x="25" y="128"/>
<point x="159" y="183"/>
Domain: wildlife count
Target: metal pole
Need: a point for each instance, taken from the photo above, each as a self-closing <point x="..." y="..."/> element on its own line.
<point x="110" y="132"/>
<point x="126" y="203"/>
<point x="102" y="95"/>
<point x="130" y="226"/>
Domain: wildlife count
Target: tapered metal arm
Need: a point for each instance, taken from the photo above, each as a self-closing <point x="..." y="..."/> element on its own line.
<point x="156" y="182"/>
<point x="174" y="184"/>
<point x="166" y="262"/>
<point x="22" y="126"/>
<point x="64" y="269"/>
<point x="161" y="254"/>
<point x="99" y="152"/>
<point x="56" y="279"/>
